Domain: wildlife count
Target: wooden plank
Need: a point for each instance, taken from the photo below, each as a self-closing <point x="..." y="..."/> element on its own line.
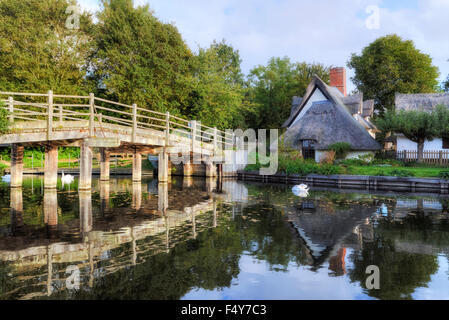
<point x="103" y="142"/>
<point x="112" y="102"/>
<point x="22" y="94"/>
<point x="50" y="115"/>
<point x="114" y="110"/>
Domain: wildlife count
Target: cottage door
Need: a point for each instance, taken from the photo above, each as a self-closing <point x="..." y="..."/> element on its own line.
<point x="308" y="149"/>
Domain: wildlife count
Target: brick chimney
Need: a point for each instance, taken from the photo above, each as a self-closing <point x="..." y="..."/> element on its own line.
<point x="338" y="79"/>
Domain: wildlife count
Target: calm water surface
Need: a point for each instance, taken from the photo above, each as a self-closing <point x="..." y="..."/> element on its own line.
<point x="199" y="239"/>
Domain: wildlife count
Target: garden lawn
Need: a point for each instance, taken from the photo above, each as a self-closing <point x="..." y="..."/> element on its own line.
<point x="419" y="172"/>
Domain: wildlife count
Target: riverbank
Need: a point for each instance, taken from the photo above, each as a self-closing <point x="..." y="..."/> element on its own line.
<point x="381" y="183"/>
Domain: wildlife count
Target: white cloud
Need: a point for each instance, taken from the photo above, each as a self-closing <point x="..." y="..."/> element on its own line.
<point x="325" y="31"/>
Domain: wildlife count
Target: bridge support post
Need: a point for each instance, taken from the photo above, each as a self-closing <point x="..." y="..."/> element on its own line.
<point x="104" y="196"/>
<point x="211" y="169"/>
<point x="16" y="165"/>
<point x="211" y="184"/>
<point x="187" y="182"/>
<point x="85" y="211"/>
<point x="137" y="166"/>
<point x="16" y="209"/>
<point x="163" y="166"/>
<point x="162" y="190"/>
<point x="85" y="167"/>
<point x="104" y="164"/>
<point x="137" y="195"/>
<point x="51" y="166"/>
<point x="187" y="169"/>
<point x="51" y="210"/>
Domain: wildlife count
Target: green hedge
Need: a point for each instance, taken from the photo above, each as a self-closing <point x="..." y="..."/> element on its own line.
<point x="294" y="164"/>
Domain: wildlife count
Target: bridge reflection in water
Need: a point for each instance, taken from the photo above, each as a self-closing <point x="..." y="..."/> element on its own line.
<point x="159" y="217"/>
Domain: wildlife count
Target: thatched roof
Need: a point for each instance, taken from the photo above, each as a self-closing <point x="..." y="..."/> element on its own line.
<point x="421" y="101"/>
<point x="368" y="108"/>
<point x="325" y="229"/>
<point x="353" y="103"/>
<point x="365" y="122"/>
<point x="296" y="101"/>
<point x="327" y="122"/>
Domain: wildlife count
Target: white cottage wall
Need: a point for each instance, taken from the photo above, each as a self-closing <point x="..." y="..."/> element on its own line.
<point x="405" y="144"/>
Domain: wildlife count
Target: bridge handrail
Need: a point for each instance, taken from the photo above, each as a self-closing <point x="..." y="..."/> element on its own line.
<point x="170" y="124"/>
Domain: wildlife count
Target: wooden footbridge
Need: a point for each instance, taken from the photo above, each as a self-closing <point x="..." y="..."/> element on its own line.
<point x="93" y="123"/>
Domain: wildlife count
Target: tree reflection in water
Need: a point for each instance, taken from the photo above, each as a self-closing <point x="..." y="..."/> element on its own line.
<point x="199" y="234"/>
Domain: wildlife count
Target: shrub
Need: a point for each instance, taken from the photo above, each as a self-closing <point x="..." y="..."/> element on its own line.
<point x="352" y="162"/>
<point x="328" y="157"/>
<point x="392" y="162"/>
<point x="328" y="169"/>
<point x="444" y="175"/>
<point x="2" y="168"/>
<point x="366" y="159"/>
<point x="341" y="149"/>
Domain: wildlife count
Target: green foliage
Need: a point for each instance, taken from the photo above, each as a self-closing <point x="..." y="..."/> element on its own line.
<point x="139" y="59"/>
<point x="445" y="85"/>
<point x="38" y="52"/>
<point x="341" y="149"/>
<point x="216" y="92"/>
<point x="4" y="123"/>
<point x="2" y="168"/>
<point x="274" y="85"/>
<point x="415" y="125"/>
<point x="290" y="163"/>
<point x="401" y="173"/>
<point x="441" y="119"/>
<point x="395" y="173"/>
<point x="444" y="175"/>
<point x="390" y="65"/>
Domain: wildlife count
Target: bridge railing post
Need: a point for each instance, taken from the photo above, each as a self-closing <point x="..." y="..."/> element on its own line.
<point x="50" y="114"/>
<point x="215" y="139"/>
<point x="167" y="128"/>
<point x="91" y="114"/>
<point x="134" y="133"/>
<point x="11" y="109"/>
<point x="193" y="125"/>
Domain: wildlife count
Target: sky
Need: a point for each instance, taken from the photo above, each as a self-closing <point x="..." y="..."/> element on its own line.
<point x="324" y="31"/>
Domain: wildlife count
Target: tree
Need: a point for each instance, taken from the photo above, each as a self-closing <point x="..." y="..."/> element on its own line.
<point x="38" y="51"/>
<point x="391" y="65"/>
<point x="275" y="84"/>
<point x="441" y="119"/>
<point x="140" y="59"/>
<point x="417" y="126"/>
<point x="216" y="92"/>
<point x="445" y="86"/>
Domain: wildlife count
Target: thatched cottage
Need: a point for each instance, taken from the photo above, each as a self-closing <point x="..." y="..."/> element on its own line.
<point x="326" y="115"/>
<point x="420" y="102"/>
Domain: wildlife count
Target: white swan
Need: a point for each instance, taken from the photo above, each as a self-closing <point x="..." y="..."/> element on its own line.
<point x="6" y="178"/>
<point x="67" y="178"/>
<point x="301" y="190"/>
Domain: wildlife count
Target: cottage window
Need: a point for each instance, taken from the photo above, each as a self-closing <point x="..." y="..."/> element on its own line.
<point x="308" y="149"/>
<point x="445" y="143"/>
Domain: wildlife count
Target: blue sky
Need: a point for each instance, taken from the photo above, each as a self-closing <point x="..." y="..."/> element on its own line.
<point x="325" y="31"/>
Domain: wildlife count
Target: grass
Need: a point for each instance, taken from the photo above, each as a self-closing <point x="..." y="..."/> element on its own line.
<point x="291" y="163"/>
<point x="419" y="172"/>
